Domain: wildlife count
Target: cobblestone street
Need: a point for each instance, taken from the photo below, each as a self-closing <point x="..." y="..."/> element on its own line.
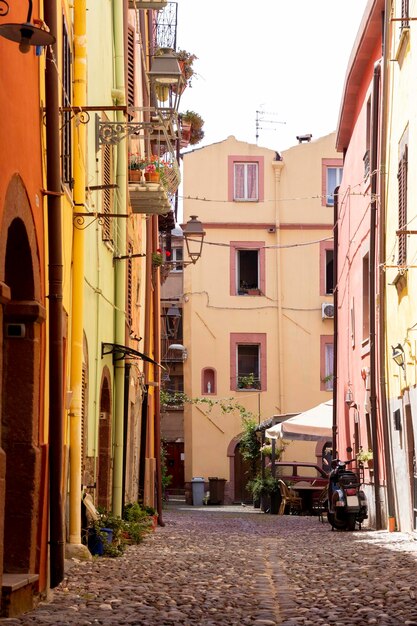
<point x="234" y="566"/>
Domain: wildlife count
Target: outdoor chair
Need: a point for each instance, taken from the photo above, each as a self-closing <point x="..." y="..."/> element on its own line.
<point x="290" y="498"/>
<point x="320" y="505"/>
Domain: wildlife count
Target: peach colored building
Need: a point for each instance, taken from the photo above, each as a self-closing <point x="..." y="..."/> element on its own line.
<point x="259" y="301"/>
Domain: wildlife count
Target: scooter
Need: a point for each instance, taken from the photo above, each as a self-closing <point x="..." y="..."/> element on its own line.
<point x="347" y="504"/>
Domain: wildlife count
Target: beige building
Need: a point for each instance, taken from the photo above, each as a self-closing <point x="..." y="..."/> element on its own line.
<point x="257" y="306"/>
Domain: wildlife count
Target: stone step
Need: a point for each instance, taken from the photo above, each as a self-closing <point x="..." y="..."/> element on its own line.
<point x="18" y="594"/>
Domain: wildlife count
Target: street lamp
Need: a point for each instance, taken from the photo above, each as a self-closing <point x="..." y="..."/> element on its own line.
<point x="26" y="34"/>
<point x="398" y="355"/>
<point x="167" y="79"/>
<point x="194" y="236"/>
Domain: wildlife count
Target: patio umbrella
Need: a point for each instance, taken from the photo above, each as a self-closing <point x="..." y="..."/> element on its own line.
<point x="311" y="425"/>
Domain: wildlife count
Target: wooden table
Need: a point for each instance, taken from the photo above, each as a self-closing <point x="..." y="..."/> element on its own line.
<point x="305" y="491"/>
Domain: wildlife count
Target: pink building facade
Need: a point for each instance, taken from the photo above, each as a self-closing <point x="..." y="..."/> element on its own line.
<point x="359" y="401"/>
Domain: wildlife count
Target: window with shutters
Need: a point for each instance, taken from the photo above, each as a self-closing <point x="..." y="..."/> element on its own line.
<point x="326" y="362"/>
<point x="107" y="161"/>
<point x="130" y="69"/>
<point x="402" y="205"/>
<point x="66" y="161"/>
<point x="84" y="418"/>
<point x="129" y="315"/>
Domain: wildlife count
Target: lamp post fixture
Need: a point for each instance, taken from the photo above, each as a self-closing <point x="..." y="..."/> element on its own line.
<point x="398" y="355"/>
<point x="167" y="80"/>
<point x="27" y="34"/>
<point x="194" y="236"/>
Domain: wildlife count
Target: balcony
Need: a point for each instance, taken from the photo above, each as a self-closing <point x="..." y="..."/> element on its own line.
<point x="149" y="198"/>
<point x="147" y="4"/>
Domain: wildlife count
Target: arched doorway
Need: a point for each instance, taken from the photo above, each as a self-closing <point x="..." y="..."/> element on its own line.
<point x="21" y="385"/>
<point x="104" y="475"/>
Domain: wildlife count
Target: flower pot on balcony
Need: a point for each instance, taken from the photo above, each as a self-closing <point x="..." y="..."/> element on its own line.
<point x="135" y="176"/>
<point x="152" y="177"/>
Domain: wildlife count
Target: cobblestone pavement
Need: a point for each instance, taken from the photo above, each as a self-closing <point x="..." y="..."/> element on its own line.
<point x="233" y="567"/>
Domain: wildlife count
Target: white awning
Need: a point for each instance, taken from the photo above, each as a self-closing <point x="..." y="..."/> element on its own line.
<point x="311" y="425"/>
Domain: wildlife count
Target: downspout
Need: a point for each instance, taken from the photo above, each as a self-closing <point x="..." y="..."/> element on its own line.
<point x="372" y="287"/>
<point x="157" y="378"/>
<point x="125" y="427"/>
<point x="55" y="273"/>
<point x="336" y="310"/>
<point x="120" y="269"/>
<point x="382" y="276"/>
<point x="79" y="153"/>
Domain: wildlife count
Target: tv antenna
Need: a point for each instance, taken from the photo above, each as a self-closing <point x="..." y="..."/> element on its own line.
<point x="261" y="120"/>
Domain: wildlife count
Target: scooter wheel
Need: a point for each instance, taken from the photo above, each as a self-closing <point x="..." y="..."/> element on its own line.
<point x="351" y="521"/>
<point x="336" y="523"/>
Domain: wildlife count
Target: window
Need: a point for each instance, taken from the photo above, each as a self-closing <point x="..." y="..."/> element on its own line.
<point x="326" y="268"/>
<point x="247" y="268"/>
<point x="177" y="257"/>
<point x="326" y="363"/>
<point x="366" y="158"/>
<point x="248" y="366"/>
<point x="365" y="297"/>
<point x="245" y="181"/>
<point x="248" y="361"/>
<point x="332" y="171"/>
<point x="66" y="141"/>
<point x="402" y="205"/>
<point x="245" y="178"/>
<point x="247" y="264"/>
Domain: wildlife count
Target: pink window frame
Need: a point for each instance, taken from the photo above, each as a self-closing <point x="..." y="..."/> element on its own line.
<point x="232" y="159"/>
<point x="248" y="245"/>
<point x="324" y="340"/>
<point x="325" y="163"/>
<point x="247" y="338"/>
<point x="324" y="246"/>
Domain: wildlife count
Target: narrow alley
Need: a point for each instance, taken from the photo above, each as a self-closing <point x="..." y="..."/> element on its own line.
<point x="220" y="566"/>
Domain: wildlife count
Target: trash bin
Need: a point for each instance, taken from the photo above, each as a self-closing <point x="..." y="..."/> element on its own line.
<point x="216" y="489"/>
<point x="198" y="490"/>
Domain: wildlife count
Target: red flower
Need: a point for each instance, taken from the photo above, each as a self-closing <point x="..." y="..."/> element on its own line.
<point x="167" y="253"/>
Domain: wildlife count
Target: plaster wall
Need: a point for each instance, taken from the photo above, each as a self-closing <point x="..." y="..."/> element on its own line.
<point x="287" y="313"/>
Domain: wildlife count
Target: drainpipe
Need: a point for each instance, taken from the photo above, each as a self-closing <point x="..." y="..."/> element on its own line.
<point x="372" y="287"/>
<point x="335" y="324"/>
<point x="80" y="99"/>
<point x="125" y="427"/>
<point x="55" y="271"/>
<point x="157" y="378"/>
<point x="120" y="269"/>
<point x="382" y="276"/>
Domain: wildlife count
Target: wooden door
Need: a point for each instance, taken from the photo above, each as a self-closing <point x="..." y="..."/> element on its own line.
<point x="175" y="464"/>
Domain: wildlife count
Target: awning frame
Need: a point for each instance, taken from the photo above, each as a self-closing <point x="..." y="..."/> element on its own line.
<point x="126" y="352"/>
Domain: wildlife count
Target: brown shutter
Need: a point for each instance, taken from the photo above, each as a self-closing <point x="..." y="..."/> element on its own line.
<point x="405" y="13"/>
<point x="129" y="287"/>
<point x="130" y="68"/>
<point x="83" y="420"/>
<point x="107" y="152"/>
<point x="402" y="207"/>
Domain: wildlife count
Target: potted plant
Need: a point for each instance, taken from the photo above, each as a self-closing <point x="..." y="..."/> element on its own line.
<point x="157" y="258"/>
<point x="191" y="127"/>
<point x="153" y="169"/>
<point x="186" y="60"/>
<point x="136" y="166"/>
<point x="247" y="381"/>
<point x="365" y="456"/>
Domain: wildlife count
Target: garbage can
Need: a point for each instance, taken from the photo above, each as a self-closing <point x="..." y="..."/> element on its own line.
<point x="198" y="490"/>
<point x="216" y="489"/>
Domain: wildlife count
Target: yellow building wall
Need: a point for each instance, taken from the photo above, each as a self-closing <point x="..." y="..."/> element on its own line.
<point x="289" y="311"/>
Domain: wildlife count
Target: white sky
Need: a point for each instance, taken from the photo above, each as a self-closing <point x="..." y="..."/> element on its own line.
<point x="285" y="57"/>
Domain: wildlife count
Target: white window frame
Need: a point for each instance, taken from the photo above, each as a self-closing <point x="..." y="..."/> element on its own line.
<point x="329" y="192"/>
<point x="175" y="259"/>
<point x="328" y="365"/>
<point x="245" y="197"/>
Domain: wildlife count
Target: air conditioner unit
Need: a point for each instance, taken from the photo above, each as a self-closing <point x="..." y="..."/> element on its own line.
<point x="327" y="311"/>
